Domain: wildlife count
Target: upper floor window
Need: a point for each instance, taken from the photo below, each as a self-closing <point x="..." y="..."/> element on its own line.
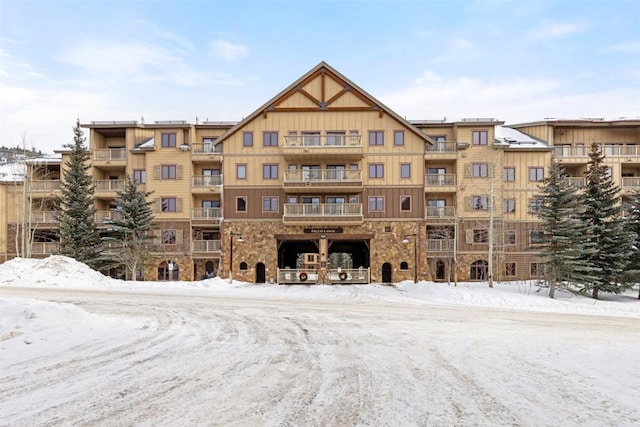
<point x="376" y="204"/>
<point x="270" y="139"/>
<point x="480" y="170"/>
<point x="270" y="171"/>
<point x="536" y="174"/>
<point x="510" y="237"/>
<point x="168" y="171"/>
<point x="405" y="203"/>
<point x="398" y="137"/>
<point x="247" y="139"/>
<point x="335" y="138"/>
<point x="480" y="202"/>
<point x="241" y="171"/>
<point x="536" y="237"/>
<point x="270" y="204"/>
<point x="168" y="237"/>
<point x="535" y="205"/>
<point x="405" y="170"/>
<point x="509" y="174"/>
<point x="509" y="205"/>
<point x="376" y="170"/>
<point x="241" y="204"/>
<point x="376" y="137"/>
<point x="140" y="176"/>
<point x="168" y="139"/>
<point x="479" y="137"/>
<point x="169" y="204"/>
<point x="480" y="235"/>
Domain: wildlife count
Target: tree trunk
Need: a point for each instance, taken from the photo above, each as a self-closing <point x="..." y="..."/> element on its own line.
<point x="552" y="289"/>
<point x="595" y="293"/>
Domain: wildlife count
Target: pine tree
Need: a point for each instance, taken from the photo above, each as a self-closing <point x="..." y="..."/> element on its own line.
<point x="563" y="232"/>
<point x="602" y="216"/>
<point x="130" y="240"/>
<point x="75" y="207"/>
<point x="632" y="225"/>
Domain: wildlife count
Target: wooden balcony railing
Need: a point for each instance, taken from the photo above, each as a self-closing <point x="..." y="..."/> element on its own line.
<point x="45" y="185"/>
<point x="631" y="183"/>
<point x="317" y="140"/>
<point x="441" y="211"/>
<point x="104" y="154"/>
<point x="101" y="216"/>
<point x="442" y="147"/>
<point x="44" y="248"/>
<point x="207" y="246"/>
<point x="214" y="214"/>
<point x="440" y="245"/>
<point x="105" y="185"/>
<point x="441" y="179"/>
<point x="207" y="148"/>
<point x="322" y="209"/>
<point x="322" y="175"/>
<point x="205" y="181"/>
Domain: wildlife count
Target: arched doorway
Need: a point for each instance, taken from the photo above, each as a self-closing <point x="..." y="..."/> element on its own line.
<point x="261" y="276"/>
<point x="208" y="270"/>
<point x="168" y="270"/>
<point x="479" y="270"/>
<point x="386" y="273"/>
<point x="440" y="270"/>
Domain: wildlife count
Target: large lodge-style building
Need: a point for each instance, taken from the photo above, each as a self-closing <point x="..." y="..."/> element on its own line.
<point x="325" y="184"/>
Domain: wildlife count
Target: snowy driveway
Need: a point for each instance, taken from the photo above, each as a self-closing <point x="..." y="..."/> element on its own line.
<point x="183" y="360"/>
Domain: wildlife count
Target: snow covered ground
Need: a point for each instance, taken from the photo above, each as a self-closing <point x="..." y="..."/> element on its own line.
<point x="79" y="348"/>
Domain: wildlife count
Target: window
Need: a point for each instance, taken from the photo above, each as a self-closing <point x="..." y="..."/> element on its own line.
<point x="509" y="206"/>
<point x="376" y="170"/>
<point x="169" y="204"/>
<point x="536" y="174"/>
<point x="536" y="269"/>
<point x="376" y="137"/>
<point x="480" y="235"/>
<point x="404" y="265"/>
<point x="270" y="139"/>
<point x="168" y="237"/>
<point x="140" y="176"/>
<point x="376" y="204"/>
<point x="405" y="170"/>
<point x="479" y="270"/>
<point x="536" y="237"/>
<point x="510" y="269"/>
<point x="509" y="174"/>
<point x="480" y="203"/>
<point x="535" y="206"/>
<point x="241" y="204"/>
<point x="168" y="171"/>
<point x="311" y="139"/>
<point x="479" y="137"/>
<point x="270" y="171"/>
<point x="398" y="137"/>
<point x="480" y="170"/>
<point x="510" y="237"/>
<point x="168" y="139"/>
<point x="247" y="139"/>
<point x="335" y="138"/>
<point x="270" y="204"/>
<point x="241" y="171"/>
<point x="405" y="203"/>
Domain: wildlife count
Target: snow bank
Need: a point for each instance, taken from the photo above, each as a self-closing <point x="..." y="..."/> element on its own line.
<point x="55" y="270"/>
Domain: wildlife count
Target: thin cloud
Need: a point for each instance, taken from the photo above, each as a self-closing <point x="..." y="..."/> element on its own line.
<point x="625" y="47"/>
<point x="551" y="30"/>
<point x="227" y="50"/>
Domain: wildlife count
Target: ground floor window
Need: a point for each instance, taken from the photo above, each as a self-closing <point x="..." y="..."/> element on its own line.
<point x="168" y="270"/>
<point x="479" y="270"/>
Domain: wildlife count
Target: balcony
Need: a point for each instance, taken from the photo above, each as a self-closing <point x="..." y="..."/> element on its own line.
<point x="323" y="147"/>
<point x="108" y="188"/>
<point x="206" y="152"/>
<point x="206" y="184"/>
<point x="206" y="247"/>
<point x="445" y="182"/>
<point x="318" y="180"/>
<point x="440" y="245"/>
<point x="45" y="188"/>
<point x="102" y="216"/>
<point x="44" y="248"/>
<point x="44" y="218"/>
<point x="322" y="213"/>
<point x="630" y="183"/>
<point x="440" y="212"/>
<point x="206" y="216"/>
<point x="578" y="182"/>
<point x="441" y="150"/>
<point x="110" y="158"/>
<point x="580" y="154"/>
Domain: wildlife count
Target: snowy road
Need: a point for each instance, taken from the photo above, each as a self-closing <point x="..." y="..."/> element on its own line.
<point x="209" y="360"/>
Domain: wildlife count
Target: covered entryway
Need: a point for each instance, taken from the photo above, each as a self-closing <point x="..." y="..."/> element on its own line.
<point x="440" y="270"/>
<point x="261" y="276"/>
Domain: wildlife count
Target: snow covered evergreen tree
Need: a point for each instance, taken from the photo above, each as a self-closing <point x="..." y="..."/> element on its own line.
<point x="563" y="232"/>
<point x="632" y="224"/>
<point x="75" y="207"/>
<point x="130" y="241"/>
<point x="602" y="216"/>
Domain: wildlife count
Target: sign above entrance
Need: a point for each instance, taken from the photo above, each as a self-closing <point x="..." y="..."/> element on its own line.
<point x="323" y="230"/>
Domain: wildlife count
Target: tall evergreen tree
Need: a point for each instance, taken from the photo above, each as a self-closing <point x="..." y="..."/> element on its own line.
<point x="632" y="224"/>
<point x="564" y="233"/>
<point x="605" y="229"/>
<point x="130" y="240"/>
<point x="75" y="207"/>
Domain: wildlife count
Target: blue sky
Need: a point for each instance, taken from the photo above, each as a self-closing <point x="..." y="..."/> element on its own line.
<point x="220" y="60"/>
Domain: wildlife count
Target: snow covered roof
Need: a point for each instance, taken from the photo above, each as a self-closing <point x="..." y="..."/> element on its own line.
<point x="11" y="172"/>
<point x="515" y="139"/>
<point x="146" y="144"/>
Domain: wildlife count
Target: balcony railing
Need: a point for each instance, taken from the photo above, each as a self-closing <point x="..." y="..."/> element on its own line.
<point x="207" y="246"/>
<point x="206" y="148"/>
<point x="322" y="209"/>
<point x="43" y="217"/>
<point x="323" y="175"/>
<point x="609" y="150"/>
<point x="442" y="147"/>
<point x="103" y="154"/>
<point x="203" y="214"/>
<point x="440" y="245"/>
<point x="205" y="181"/>
<point x="317" y="140"/>
<point x="45" y="185"/>
<point x="578" y="182"/>
<point x="44" y="248"/>
<point x="105" y="185"/>
<point x="101" y="216"/>
<point x="441" y="179"/>
<point x="631" y="182"/>
<point x="441" y="211"/>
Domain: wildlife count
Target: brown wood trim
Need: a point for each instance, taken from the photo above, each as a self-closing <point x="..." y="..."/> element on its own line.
<point x="330" y="236"/>
<point x="311" y="97"/>
<point x="322" y="89"/>
<point x="336" y="96"/>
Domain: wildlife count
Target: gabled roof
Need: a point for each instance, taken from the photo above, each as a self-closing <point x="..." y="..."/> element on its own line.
<point x="322" y="69"/>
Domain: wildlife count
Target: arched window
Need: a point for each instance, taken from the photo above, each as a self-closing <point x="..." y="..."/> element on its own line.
<point x="168" y="270"/>
<point x="243" y="265"/>
<point x="404" y="265"/>
<point x="479" y="270"/>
